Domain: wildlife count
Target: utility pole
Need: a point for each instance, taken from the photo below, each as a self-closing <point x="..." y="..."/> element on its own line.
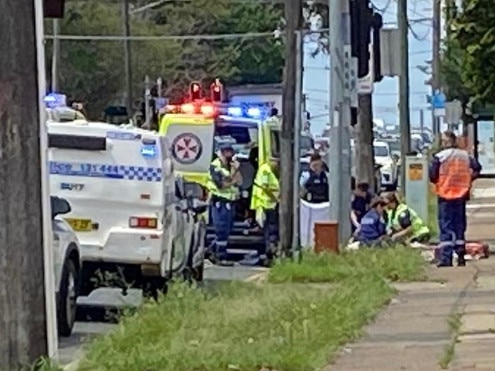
<point x="293" y="17"/>
<point x="340" y="115"/>
<point x="363" y="142"/>
<point x="23" y="321"/>
<point x="55" y="55"/>
<point x="299" y="111"/>
<point x="435" y="65"/>
<point x="421" y="119"/>
<point x="405" y="125"/>
<point x="127" y="57"/>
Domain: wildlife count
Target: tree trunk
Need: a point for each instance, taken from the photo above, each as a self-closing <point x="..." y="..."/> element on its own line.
<point x="293" y="16"/>
<point x="363" y="143"/>
<point x="22" y="303"/>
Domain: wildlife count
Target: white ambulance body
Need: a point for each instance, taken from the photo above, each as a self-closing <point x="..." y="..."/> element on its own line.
<point x="122" y="189"/>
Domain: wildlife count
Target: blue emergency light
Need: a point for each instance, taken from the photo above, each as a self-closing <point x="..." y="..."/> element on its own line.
<point x="54" y="100"/>
<point x="148" y="150"/>
<point x="247" y="111"/>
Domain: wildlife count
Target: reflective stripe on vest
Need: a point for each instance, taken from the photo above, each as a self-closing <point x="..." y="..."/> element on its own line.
<point x="418" y="226"/>
<point x="454" y="179"/>
<point x="264" y="177"/>
<point x="228" y="193"/>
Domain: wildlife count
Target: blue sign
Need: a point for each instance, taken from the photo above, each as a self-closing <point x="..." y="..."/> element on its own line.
<point x="54" y="100"/>
<point x="161" y="103"/>
<point x="148" y="150"/>
<point x="438" y="100"/>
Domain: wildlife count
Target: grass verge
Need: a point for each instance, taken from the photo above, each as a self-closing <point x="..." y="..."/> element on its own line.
<point x="395" y="264"/>
<point x="448" y="354"/>
<point x="248" y="327"/>
<point x="433" y="214"/>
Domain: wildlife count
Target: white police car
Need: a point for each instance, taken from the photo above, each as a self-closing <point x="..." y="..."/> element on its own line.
<point x="67" y="266"/>
<point x="127" y="211"/>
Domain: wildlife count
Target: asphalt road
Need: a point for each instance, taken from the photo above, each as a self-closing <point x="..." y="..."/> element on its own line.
<point x="95" y="319"/>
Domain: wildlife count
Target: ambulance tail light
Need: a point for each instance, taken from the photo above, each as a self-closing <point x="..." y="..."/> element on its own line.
<point x="143" y="222"/>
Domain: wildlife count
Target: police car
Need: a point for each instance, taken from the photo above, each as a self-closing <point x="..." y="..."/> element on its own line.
<point x="128" y="209"/>
<point x="67" y="266"/>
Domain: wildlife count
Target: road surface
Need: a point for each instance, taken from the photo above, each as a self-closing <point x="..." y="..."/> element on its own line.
<point x="97" y="321"/>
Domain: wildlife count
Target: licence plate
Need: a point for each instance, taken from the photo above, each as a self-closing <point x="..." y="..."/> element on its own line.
<point x="80" y="225"/>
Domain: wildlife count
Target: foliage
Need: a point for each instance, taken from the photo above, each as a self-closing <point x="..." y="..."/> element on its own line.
<point x="473" y="40"/>
<point x="247" y="327"/>
<point x="397" y="264"/>
<point x="93" y="71"/>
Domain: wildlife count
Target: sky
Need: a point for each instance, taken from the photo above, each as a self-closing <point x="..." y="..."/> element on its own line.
<point x="385" y="96"/>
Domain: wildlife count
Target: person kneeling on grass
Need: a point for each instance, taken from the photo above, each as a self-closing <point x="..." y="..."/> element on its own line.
<point x="373" y="228"/>
<point x="404" y="224"/>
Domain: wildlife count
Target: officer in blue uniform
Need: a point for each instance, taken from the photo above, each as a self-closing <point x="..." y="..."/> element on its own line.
<point x="373" y="227"/>
<point x="223" y="185"/>
<point x="314" y="183"/>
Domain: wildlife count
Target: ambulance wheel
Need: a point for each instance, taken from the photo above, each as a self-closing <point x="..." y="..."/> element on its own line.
<point x="67" y="299"/>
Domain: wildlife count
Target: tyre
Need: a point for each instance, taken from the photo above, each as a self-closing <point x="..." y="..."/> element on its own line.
<point x="67" y="300"/>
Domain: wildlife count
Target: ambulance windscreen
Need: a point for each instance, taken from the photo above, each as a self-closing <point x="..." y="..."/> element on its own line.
<point x="240" y="137"/>
<point x="77" y="142"/>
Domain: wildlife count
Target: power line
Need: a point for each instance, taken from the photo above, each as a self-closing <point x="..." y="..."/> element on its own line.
<point x="247" y="35"/>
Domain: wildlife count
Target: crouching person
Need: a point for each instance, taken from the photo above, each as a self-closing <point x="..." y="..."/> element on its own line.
<point x="404" y="224"/>
<point x="373" y="228"/>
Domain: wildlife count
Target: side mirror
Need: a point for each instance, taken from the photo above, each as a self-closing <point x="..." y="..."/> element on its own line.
<point x="200" y="207"/>
<point x="60" y="206"/>
<point x="395" y="157"/>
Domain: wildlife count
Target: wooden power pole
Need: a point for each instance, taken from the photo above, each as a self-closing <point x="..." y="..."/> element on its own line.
<point x="363" y="142"/>
<point x="22" y="298"/>
<point x="293" y="17"/>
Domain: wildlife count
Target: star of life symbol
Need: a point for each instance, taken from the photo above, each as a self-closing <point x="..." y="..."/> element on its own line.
<point x="186" y="148"/>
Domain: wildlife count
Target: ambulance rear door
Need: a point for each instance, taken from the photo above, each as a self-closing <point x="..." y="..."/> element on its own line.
<point x="191" y="144"/>
<point x="113" y="178"/>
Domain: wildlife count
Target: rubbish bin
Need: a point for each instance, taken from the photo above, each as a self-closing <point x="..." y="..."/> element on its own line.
<point x="326" y="237"/>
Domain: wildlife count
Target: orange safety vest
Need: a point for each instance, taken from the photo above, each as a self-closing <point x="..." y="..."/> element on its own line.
<point x="455" y="176"/>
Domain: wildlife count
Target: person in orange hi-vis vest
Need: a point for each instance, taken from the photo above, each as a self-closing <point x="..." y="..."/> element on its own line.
<point x="452" y="171"/>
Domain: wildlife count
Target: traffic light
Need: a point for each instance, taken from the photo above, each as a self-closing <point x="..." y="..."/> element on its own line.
<point x="361" y="13"/>
<point x="216" y="91"/>
<point x="195" y="92"/>
<point x="53" y="8"/>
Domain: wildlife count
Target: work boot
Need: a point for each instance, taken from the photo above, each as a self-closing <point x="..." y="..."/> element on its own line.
<point x="461" y="259"/>
<point x="442" y="264"/>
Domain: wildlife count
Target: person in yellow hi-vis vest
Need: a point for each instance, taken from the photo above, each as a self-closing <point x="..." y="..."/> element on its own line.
<point x="265" y="198"/>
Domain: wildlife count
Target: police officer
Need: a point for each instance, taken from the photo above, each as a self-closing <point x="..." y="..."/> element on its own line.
<point x="314" y="183"/>
<point x="223" y="182"/>
<point x="373" y="228"/>
<point x="404" y="223"/>
<point x="265" y="198"/>
<point x="452" y="171"/>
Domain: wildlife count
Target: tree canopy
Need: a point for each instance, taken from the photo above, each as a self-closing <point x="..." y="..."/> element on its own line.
<point x="468" y="62"/>
<point x="93" y="71"/>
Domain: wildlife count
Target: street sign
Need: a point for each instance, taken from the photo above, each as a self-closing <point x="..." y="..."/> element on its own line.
<point x="438" y="100"/>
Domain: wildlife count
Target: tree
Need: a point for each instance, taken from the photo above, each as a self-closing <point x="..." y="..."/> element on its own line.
<point x="93" y="70"/>
<point x="22" y="289"/>
<point x="474" y="29"/>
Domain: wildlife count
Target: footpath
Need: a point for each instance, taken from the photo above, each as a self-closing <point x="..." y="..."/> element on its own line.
<point x="446" y="323"/>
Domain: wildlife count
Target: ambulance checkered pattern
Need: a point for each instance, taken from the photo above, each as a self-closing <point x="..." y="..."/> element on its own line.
<point x="148" y="174"/>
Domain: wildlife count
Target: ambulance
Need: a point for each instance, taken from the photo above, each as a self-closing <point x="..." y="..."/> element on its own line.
<point x="197" y="129"/>
<point x="129" y="209"/>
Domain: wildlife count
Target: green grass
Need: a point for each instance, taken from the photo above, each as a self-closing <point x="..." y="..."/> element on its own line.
<point x="281" y="327"/>
<point x="433" y="214"/>
<point x="396" y="264"/>
<point x="454" y="322"/>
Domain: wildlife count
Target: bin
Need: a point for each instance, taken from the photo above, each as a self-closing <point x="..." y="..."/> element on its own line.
<point x="326" y="236"/>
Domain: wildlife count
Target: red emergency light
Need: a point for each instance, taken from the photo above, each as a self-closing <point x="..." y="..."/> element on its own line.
<point x="205" y="109"/>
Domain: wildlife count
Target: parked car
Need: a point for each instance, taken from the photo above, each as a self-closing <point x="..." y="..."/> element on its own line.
<point x="67" y="266"/>
<point x="388" y="163"/>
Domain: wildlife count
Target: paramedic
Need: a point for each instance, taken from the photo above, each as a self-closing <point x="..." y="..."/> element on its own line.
<point x="403" y="223"/>
<point x="373" y="227"/>
<point x="223" y="183"/>
<point x="452" y="171"/>
<point x="314" y="183"/>
<point x="266" y="191"/>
